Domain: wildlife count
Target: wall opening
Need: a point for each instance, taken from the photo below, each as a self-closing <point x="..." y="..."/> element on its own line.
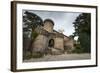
<point x="51" y="43"/>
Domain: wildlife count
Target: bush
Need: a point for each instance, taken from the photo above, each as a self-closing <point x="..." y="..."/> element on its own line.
<point x="77" y="49"/>
<point x="29" y="55"/>
<point x="34" y="35"/>
<point x="37" y="55"/>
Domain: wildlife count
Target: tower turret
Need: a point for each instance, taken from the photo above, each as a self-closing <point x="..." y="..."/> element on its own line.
<point x="48" y="25"/>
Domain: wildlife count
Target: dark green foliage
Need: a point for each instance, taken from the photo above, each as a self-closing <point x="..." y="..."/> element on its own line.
<point x="82" y="26"/>
<point x="34" y="35"/>
<point x="78" y="49"/>
<point x="28" y="55"/>
<point x="67" y="49"/>
<point x="30" y="22"/>
<point x="85" y="42"/>
<point x="37" y="55"/>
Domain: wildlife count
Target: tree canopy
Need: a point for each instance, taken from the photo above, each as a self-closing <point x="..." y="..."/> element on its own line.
<point x="31" y="20"/>
<point x="82" y="26"/>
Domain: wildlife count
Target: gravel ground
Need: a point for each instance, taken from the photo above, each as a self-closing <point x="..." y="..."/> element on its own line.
<point x="61" y="57"/>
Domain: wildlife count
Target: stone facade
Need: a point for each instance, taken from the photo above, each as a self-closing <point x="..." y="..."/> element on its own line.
<point x="49" y="39"/>
<point x="68" y="44"/>
<point x="59" y="43"/>
<point x="40" y="43"/>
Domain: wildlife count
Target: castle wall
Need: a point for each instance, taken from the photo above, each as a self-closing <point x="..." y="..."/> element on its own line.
<point x="40" y="43"/>
<point x="46" y="33"/>
<point x="69" y="43"/>
<point x="59" y="43"/>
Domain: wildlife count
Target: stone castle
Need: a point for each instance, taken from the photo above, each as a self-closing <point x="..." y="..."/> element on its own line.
<point x="51" y="41"/>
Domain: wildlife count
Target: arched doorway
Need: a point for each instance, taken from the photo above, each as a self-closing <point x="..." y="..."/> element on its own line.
<point x="51" y="43"/>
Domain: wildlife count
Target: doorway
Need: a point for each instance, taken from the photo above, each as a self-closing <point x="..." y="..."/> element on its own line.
<point x="51" y="43"/>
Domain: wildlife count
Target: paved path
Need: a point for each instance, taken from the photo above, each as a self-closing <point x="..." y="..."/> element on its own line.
<point x="60" y="57"/>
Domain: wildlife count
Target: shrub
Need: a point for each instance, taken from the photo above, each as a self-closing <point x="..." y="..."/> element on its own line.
<point x="77" y="49"/>
<point x="37" y="55"/>
<point x="27" y="55"/>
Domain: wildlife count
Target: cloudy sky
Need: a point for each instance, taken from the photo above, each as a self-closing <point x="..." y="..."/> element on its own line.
<point x="62" y="20"/>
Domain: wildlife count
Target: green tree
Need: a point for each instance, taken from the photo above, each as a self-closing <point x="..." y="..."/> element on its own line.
<point x="30" y="22"/>
<point x="82" y="26"/>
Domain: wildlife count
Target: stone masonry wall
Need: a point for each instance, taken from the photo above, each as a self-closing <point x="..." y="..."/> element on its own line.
<point x="48" y="26"/>
<point x="59" y="43"/>
<point x="40" y="43"/>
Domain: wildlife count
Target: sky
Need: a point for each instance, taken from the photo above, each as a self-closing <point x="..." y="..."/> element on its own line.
<point x="62" y="20"/>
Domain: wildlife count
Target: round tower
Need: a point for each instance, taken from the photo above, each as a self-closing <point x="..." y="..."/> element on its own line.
<point x="48" y="25"/>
